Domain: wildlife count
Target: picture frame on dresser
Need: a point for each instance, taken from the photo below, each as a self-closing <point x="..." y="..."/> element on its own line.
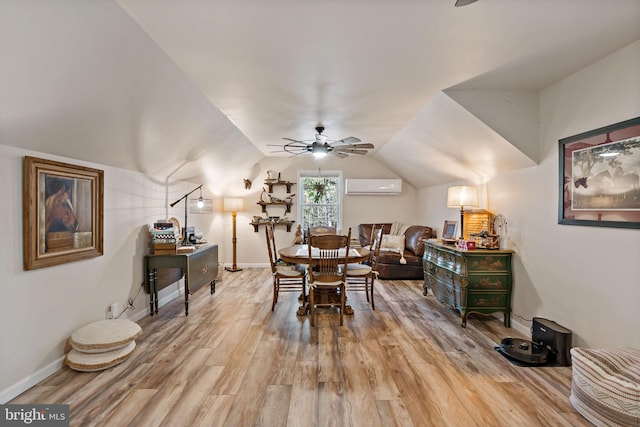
<point x="599" y="177"/>
<point x="449" y="230"/>
<point x="63" y="211"/>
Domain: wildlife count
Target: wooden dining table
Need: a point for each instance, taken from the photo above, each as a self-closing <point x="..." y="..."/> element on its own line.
<point x="299" y="254"/>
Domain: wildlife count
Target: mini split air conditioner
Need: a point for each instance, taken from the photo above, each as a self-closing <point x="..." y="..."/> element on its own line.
<point x="370" y="187"/>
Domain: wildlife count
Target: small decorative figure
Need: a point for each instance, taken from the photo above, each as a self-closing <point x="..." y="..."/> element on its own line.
<point x="247" y="184"/>
<point x="297" y="239"/>
<point x="264" y="196"/>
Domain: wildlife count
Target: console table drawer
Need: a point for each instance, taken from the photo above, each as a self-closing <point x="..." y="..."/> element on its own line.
<point x="203" y="269"/>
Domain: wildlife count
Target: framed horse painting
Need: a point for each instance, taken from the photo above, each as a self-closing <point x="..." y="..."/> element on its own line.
<point x="600" y="177"/>
<point x="62" y="213"/>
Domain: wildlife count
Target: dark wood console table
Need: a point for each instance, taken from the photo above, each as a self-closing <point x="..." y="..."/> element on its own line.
<point x="198" y="267"/>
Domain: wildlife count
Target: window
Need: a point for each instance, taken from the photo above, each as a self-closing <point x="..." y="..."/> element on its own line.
<point x="320" y="200"/>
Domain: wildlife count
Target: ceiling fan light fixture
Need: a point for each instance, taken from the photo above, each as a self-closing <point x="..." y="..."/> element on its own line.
<point x="319" y="154"/>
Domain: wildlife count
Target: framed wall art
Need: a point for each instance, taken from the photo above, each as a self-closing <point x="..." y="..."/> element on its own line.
<point x="600" y="177"/>
<point x="62" y="213"/>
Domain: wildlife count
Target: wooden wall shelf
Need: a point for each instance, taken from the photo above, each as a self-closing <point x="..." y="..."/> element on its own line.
<point x="264" y="205"/>
<point x="256" y="225"/>
<point x="270" y="184"/>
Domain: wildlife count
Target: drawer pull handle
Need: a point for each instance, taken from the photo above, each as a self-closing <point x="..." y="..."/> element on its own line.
<point x="205" y="268"/>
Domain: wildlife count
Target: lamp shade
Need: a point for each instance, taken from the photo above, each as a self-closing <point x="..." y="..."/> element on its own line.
<point x="461" y="196"/>
<point x="233" y="204"/>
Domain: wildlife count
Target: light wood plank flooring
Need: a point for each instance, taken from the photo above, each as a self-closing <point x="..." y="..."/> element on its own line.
<point x="233" y="362"/>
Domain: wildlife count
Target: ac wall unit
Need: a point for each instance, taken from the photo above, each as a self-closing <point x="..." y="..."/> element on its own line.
<point x="364" y="187"/>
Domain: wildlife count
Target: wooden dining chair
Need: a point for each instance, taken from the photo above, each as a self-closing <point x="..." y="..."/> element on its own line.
<point x="317" y="231"/>
<point x="286" y="277"/>
<point x="327" y="275"/>
<point x="360" y="277"/>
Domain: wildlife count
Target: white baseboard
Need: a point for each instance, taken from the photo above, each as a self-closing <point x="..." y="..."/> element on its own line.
<point x="53" y="367"/>
<point x="33" y="379"/>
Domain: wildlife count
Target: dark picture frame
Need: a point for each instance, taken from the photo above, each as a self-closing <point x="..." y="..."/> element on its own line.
<point x="449" y="230"/>
<point x="599" y="180"/>
<point x="63" y="211"/>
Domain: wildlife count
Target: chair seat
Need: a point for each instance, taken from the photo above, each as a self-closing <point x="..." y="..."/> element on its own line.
<point x="290" y="270"/>
<point x="328" y="285"/>
<point x="358" y="269"/>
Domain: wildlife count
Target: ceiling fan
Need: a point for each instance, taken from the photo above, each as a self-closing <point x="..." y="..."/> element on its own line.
<point x="460" y="3"/>
<point x="321" y="146"/>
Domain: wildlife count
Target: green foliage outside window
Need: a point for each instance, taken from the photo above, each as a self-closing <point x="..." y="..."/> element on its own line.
<point x="320" y="200"/>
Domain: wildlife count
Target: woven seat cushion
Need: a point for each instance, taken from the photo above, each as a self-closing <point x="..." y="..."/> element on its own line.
<point x="290" y="270"/>
<point x="358" y="269"/>
<point x="104" y="335"/>
<point x="90" y="362"/>
<point x="605" y="386"/>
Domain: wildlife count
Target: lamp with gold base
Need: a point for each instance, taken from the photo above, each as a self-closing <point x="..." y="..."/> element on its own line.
<point x="459" y="197"/>
<point x="233" y="204"/>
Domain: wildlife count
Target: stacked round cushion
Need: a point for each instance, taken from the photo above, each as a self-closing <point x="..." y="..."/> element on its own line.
<point x="102" y="344"/>
<point x="605" y="385"/>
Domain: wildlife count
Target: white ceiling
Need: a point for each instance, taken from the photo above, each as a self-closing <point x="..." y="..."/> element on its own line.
<point x="373" y="68"/>
<point x="444" y="93"/>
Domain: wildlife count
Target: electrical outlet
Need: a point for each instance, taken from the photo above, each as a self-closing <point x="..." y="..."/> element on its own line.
<point x="115" y="310"/>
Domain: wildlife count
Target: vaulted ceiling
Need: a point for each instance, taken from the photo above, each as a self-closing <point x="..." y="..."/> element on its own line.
<point x="445" y="93"/>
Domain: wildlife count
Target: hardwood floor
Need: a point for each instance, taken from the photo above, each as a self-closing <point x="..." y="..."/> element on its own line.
<point x="233" y="362"/>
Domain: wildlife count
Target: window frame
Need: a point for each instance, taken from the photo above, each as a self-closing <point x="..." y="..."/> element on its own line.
<point x="320" y="174"/>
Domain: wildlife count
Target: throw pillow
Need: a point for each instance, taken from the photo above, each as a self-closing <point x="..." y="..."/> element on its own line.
<point x="392" y="242"/>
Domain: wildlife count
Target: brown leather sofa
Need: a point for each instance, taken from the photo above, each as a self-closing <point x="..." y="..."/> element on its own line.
<point x="389" y="266"/>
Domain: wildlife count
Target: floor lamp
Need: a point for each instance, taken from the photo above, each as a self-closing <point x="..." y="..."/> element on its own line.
<point x="185" y="238"/>
<point x="233" y="204"/>
<point x="459" y="197"/>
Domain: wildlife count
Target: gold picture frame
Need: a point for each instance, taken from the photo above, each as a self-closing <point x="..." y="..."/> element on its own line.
<point x="63" y="211"/>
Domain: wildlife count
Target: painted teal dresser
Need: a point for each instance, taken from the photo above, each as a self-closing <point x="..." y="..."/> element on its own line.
<point x="472" y="281"/>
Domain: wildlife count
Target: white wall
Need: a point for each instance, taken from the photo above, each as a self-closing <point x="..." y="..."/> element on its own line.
<point x="251" y="246"/>
<point x="585" y="278"/>
<point x="39" y="309"/>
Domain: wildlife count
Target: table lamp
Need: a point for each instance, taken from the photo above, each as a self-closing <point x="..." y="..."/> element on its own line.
<point x="233" y="204"/>
<point x="459" y="197"/>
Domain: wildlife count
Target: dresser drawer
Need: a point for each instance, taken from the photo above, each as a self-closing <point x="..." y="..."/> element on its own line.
<point x="486" y="300"/>
<point x="489" y="282"/>
<point x="497" y="263"/>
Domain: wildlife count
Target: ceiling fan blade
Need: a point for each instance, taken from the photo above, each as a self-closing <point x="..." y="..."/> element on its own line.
<point x="363" y="145"/>
<point x="291" y="139"/>
<point x="349" y="140"/>
<point x="338" y="154"/>
<point x="464" y="2"/>
<point x="348" y="150"/>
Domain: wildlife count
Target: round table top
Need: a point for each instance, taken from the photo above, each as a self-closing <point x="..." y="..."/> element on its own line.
<point x="299" y="254"/>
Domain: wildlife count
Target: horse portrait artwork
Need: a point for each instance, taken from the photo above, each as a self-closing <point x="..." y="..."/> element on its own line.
<point x="606" y="177"/>
<point x="60" y="217"/>
<point x="63" y="212"/>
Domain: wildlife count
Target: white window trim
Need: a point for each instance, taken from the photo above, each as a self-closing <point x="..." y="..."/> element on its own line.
<point x="315" y="173"/>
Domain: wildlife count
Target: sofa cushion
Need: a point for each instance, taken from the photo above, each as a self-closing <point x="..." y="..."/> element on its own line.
<point x="414" y="237"/>
<point x="392" y="243"/>
<point x="364" y="232"/>
<point x="390" y="257"/>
